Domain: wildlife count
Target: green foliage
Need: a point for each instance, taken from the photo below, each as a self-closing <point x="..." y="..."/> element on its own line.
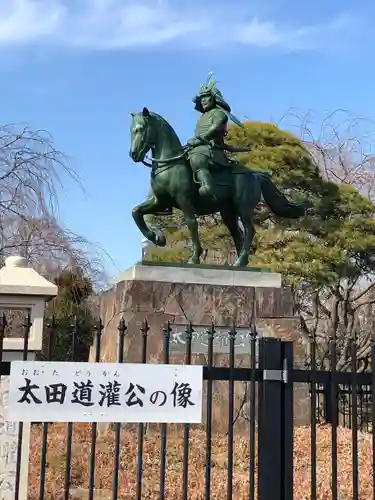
<point x="336" y="242"/>
<point x="71" y="312"/>
<point x="74" y="289"/>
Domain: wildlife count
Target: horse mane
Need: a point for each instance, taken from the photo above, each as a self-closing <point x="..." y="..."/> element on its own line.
<point x="164" y="124"/>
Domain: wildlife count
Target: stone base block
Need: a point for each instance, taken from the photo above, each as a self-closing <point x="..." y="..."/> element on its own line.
<point x="180" y="300"/>
<point x="202" y="275"/>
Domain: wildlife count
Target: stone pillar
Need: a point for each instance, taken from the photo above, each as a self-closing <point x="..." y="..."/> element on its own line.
<point x="23" y="292"/>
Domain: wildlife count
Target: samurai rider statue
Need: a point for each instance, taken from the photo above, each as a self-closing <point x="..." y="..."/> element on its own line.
<point x="208" y="147"/>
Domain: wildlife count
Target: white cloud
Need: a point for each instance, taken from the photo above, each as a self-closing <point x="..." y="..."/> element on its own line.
<point x="262" y="34"/>
<point x="124" y="24"/>
<point x="308" y="37"/>
<point x="22" y="21"/>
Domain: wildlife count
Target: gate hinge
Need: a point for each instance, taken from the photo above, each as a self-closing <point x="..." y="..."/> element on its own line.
<point x="277" y="375"/>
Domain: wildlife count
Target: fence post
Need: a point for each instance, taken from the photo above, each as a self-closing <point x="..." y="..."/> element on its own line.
<point x="270" y="421"/>
<point x="287" y="421"/>
<point x="331" y="411"/>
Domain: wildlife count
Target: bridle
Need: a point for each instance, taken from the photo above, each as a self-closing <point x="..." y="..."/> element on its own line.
<point x="166" y="161"/>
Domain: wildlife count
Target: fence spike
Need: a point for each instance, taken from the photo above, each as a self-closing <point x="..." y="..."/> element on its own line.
<point x="145" y="328"/>
<point x="189" y="331"/>
<point x="122" y="327"/>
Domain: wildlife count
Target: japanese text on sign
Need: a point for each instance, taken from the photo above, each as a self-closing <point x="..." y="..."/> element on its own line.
<point x="104" y="392"/>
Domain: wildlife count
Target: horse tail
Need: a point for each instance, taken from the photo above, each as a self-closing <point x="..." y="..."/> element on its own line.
<point x="278" y="203"/>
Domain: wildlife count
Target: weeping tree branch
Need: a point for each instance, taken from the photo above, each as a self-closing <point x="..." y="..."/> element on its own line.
<point x="32" y="173"/>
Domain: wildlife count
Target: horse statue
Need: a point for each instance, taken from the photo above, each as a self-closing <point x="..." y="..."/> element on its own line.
<point x="238" y="190"/>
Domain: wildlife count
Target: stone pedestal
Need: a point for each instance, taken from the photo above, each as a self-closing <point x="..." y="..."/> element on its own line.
<point x="202" y="275"/>
<point x="201" y="295"/>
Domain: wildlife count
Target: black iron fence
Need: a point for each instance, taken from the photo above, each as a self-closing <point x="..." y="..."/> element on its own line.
<point x="345" y="406"/>
<point x="247" y="446"/>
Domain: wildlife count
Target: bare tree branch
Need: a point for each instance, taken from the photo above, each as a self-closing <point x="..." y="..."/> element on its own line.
<point x="32" y="171"/>
<point x="344" y="152"/>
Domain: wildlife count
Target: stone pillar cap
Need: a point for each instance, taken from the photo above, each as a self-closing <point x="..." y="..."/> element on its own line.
<point x="17" y="278"/>
<point x="16" y="261"/>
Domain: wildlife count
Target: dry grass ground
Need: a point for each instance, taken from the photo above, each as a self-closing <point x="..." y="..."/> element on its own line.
<point x="128" y="464"/>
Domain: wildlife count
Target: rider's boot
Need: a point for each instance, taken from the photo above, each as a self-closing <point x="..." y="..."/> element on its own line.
<point x="207" y="188"/>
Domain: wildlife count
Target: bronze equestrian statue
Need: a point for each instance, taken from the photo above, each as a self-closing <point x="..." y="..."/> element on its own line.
<point x="201" y="178"/>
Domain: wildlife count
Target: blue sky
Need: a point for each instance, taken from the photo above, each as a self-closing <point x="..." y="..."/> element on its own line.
<point x="79" y="67"/>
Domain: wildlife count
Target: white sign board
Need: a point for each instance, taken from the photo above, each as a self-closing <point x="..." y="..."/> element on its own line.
<point x="8" y="450"/>
<point x="8" y="445"/>
<point x="104" y="392"/>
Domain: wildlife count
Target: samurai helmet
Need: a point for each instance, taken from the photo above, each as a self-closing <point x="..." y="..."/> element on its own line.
<point x="209" y="88"/>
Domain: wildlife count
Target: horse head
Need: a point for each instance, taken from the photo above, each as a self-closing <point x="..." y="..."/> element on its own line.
<point x="141" y="135"/>
<point x="151" y="131"/>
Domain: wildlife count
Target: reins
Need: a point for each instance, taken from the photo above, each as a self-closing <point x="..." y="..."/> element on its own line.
<point x="160" y="161"/>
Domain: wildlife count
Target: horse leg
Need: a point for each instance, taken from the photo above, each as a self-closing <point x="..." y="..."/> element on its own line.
<point x="191" y="221"/>
<point x="248" y="236"/>
<point x="230" y="219"/>
<point x="148" y="207"/>
<point x="247" y="195"/>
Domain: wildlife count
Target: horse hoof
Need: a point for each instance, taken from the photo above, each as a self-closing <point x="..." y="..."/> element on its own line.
<point x="160" y="240"/>
<point x="241" y="263"/>
<point x="193" y="260"/>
